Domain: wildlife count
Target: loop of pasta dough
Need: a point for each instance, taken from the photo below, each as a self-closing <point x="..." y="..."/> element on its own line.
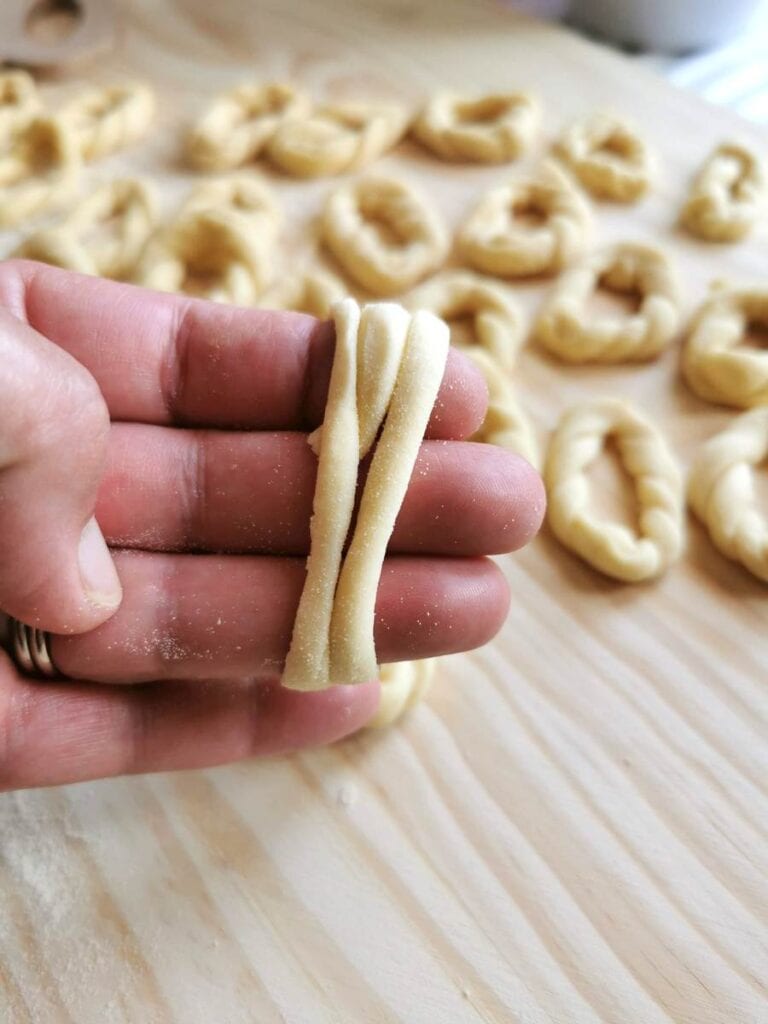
<point x="505" y="425"/>
<point x="495" y="240"/>
<point x="608" y="546"/>
<point x="39" y="168"/>
<point x="403" y="684"/>
<point x="714" y="367"/>
<point x="19" y="98"/>
<point x="487" y="129"/>
<point x="315" y="291"/>
<point x="721" y="490"/>
<point x="335" y="138"/>
<point x="608" y="157"/>
<point x="387" y="368"/>
<point x="384" y="265"/>
<point x="244" y="198"/>
<point x="564" y="328"/>
<point x="726" y="195"/>
<point x="109" y="118"/>
<point x="127" y="205"/>
<point x="238" y="124"/>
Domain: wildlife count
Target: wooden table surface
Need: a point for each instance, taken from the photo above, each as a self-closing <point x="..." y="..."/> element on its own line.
<point x="574" y="828"/>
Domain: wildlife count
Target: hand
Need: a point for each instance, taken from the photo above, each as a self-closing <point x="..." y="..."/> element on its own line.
<point x="180" y="425"/>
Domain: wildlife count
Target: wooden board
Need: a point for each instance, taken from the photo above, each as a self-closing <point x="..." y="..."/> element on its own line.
<point x="574" y="829"/>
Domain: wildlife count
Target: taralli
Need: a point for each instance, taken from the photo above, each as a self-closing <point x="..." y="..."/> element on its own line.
<point x="39" y="168"/>
<point x="413" y="243"/>
<point x="529" y="226"/>
<point x="238" y="124"/>
<point x="714" y="364"/>
<point x="387" y="369"/>
<point x="505" y="425"/>
<point x="721" y="490"/>
<point x="726" y="195"/>
<point x="565" y="329"/>
<point x="403" y="684"/>
<point x="486" y="129"/>
<point x="612" y="548"/>
<point x="245" y="198"/>
<point x="608" y="157"/>
<point x="109" y="118"/>
<point x="316" y="291"/>
<point x="19" y="98"/>
<point x="335" y="138"/>
<point x="103" y="234"/>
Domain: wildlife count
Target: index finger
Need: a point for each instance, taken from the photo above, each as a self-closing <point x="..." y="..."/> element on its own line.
<point x="170" y="359"/>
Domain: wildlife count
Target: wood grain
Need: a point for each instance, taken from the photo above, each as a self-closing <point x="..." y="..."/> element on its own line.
<point x="574" y="829"/>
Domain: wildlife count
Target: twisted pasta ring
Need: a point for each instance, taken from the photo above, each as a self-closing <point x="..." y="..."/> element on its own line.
<point x="349" y="228"/>
<point x="19" y="98"/>
<point x="496" y="241"/>
<point x="563" y="329"/>
<point x="488" y="129"/>
<point x="39" y="168"/>
<point x="403" y="684"/>
<point x="244" y="198"/>
<point x="608" y="157"/>
<point x="610" y="547"/>
<point x="726" y="195"/>
<point x="109" y="118"/>
<point x="714" y="367"/>
<point x="315" y="291"/>
<point x="721" y="490"/>
<point x="505" y="425"/>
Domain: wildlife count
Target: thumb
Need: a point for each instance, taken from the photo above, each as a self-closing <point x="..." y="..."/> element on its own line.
<point x="56" y="571"/>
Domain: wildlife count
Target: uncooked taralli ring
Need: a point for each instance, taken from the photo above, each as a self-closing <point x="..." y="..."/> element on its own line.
<point x="19" y="98"/>
<point x="715" y="368"/>
<point x="726" y="195"/>
<point x="486" y="129"/>
<point x="39" y="168"/>
<point x="608" y="546"/>
<point x="416" y="243"/>
<point x="108" y="118"/>
<point x="244" y="197"/>
<point x="403" y="684"/>
<point x="498" y="239"/>
<point x="608" y="157"/>
<point x="722" y="494"/>
<point x="564" y="328"/>
<point x="506" y="425"/>
<point x="315" y="291"/>
<point x="335" y="138"/>
<point x="238" y="124"/>
<point x="126" y="206"/>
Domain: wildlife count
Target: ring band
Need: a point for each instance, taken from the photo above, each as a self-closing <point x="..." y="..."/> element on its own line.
<point x="30" y="650"/>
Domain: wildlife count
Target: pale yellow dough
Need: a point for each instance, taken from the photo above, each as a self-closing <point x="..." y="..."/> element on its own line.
<point x="108" y="118"/>
<point x="726" y="195"/>
<point x="497" y="237"/>
<point x="721" y="490"/>
<point x="486" y="129"/>
<point x="565" y="329"/>
<point x="403" y="685"/>
<point x="506" y="425"/>
<point x="415" y="243"/>
<point x="244" y="198"/>
<point x="19" y="98"/>
<point x="714" y="366"/>
<point x="315" y="291"/>
<point x="608" y="546"/>
<point x="39" y="167"/>
<point x="387" y="369"/>
<point x="608" y="157"/>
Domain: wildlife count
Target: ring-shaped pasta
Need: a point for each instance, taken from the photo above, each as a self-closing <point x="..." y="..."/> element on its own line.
<point x="39" y="168"/>
<point x="608" y="157"/>
<point x="315" y="291"/>
<point x="486" y="129"/>
<point x="403" y="684"/>
<point x="611" y="547"/>
<point x="726" y="195"/>
<point x="721" y="490"/>
<point x="109" y="118"/>
<point x="244" y="197"/>
<point x="19" y="98"/>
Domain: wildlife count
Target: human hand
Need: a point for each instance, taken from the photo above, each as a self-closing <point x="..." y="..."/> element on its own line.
<point x="182" y="424"/>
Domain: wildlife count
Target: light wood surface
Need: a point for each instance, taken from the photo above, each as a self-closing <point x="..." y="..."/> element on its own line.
<point x="574" y="828"/>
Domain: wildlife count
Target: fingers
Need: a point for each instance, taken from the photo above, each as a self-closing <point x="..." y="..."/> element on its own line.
<point x="170" y="359"/>
<point x="217" y="617"/>
<point x="55" y="569"/>
<point x="175" y="490"/>
<point x="58" y="733"/>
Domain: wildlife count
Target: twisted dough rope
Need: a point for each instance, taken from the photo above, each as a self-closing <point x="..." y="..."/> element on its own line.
<point x="109" y="118"/>
<point x="244" y="198"/>
<point x="315" y="291"/>
<point x="335" y="138"/>
<point x="505" y="424"/>
<point x="721" y="490"/>
<point x="497" y="239"/>
<point x="608" y="157"/>
<point x="564" y="329"/>
<point x="237" y="125"/>
<point x="610" y="547"/>
<point x="726" y="195"/>
<point x="125" y="208"/>
<point x="487" y="129"/>
<point x="384" y="265"/>
<point x="387" y="368"/>
<point x="39" y="167"/>
<point x="714" y="367"/>
<point x="19" y="98"/>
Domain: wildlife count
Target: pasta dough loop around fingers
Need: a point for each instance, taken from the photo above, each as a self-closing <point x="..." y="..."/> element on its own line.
<point x="563" y="327"/>
<point x="610" y="547"/>
<point x="608" y="157"/>
<point x="726" y="195"/>
<point x="715" y="368"/>
<point x="19" y="98"/>
<point x="721" y="490"/>
<point x="486" y="129"/>
<point x="109" y="118"/>
<point x="39" y="168"/>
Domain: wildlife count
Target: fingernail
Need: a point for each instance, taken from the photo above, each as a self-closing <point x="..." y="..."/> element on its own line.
<point x="97" y="570"/>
